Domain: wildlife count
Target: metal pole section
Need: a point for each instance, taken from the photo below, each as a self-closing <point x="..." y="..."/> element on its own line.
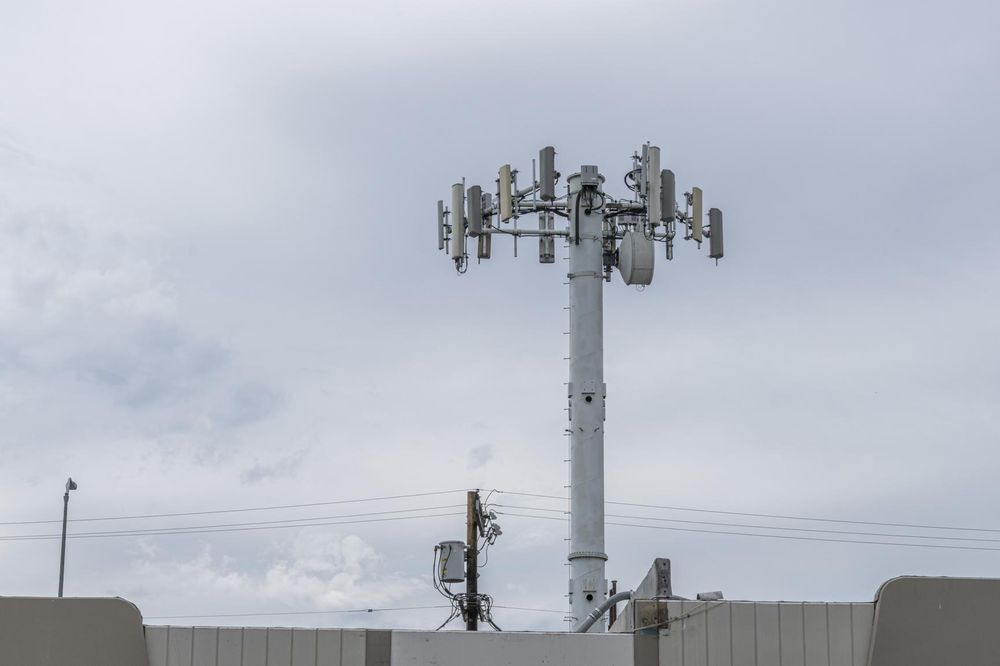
<point x="62" y="554"/>
<point x="588" y="587"/>
<point x="613" y="611"/>
<point x="472" y="559"/>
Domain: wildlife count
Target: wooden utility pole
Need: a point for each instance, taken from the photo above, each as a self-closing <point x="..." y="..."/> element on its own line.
<point x="472" y="559"/>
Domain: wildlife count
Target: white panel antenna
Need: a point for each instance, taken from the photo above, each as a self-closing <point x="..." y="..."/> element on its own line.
<point x="440" y="224"/>
<point x="643" y="169"/>
<point x="668" y="195"/>
<point x="696" y="231"/>
<point x="457" y="221"/>
<point x="474" y="201"/>
<point x="715" y="233"/>
<point x="653" y="201"/>
<point x="547" y="173"/>
<point x="506" y="199"/>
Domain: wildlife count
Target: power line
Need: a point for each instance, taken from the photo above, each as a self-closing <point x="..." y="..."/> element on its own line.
<point x="286" y="521"/>
<point x="534" y="610"/>
<point x="238" y="510"/>
<point x="772" y="515"/>
<point x="769" y="527"/>
<point x="98" y="535"/>
<point x="511" y="492"/>
<point x="326" y="612"/>
<point x="776" y="536"/>
<point x="331" y="612"/>
<point x="820" y="520"/>
<point x="520" y="494"/>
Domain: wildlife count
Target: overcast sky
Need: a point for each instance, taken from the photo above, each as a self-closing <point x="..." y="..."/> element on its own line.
<point x="219" y="289"/>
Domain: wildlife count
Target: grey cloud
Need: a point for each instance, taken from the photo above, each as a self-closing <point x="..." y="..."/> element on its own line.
<point x="274" y="470"/>
<point x="153" y="364"/>
<point x="480" y="456"/>
<point x="248" y="404"/>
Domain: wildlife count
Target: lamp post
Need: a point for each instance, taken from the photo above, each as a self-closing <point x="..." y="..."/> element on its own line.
<point x="70" y="485"/>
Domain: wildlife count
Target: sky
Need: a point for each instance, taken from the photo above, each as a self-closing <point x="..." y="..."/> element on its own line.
<point x="219" y="289"/>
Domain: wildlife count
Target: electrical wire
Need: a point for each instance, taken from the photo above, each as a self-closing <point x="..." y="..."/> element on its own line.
<point x="327" y="612"/>
<point x="99" y="535"/>
<point x="632" y="174"/>
<point x="813" y="519"/>
<point x="286" y="521"/>
<point x="511" y="492"/>
<point x="770" y="515"/>
<point x="242" y="509"/>
<point x="533" y="610"/>
<point x="452" y="616"/>
<point x="704" y="608"/>
<point x="770" y="527"/>
<point x="576" y="217"/>
<point x="778" y="536"/>
<point x="590" y="203"/>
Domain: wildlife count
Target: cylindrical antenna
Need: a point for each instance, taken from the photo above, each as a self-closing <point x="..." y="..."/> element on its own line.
<point x="715" y="233"/>
<point x="696" y="232"/>
<point x="547" y="173"/>
<point x="668" y="195"/>
<point x="457" y="221"/>
<point x="506" y="199"/>
<point x="653" y="201"/>
<point x="475" y="213"/>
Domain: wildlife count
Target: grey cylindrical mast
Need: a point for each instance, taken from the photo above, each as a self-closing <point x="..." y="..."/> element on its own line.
<point x="586" y="394"/>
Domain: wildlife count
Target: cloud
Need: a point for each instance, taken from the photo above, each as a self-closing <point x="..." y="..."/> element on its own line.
<point x="480" y="456"/>
<point x="313" y="571"/>
<point x="248" y="404"/>
<point x="269" y="471"/>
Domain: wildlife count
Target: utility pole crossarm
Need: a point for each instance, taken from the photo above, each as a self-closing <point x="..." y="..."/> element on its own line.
<point x="602" y="233"/>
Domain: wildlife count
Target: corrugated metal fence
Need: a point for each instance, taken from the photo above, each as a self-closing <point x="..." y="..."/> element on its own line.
<point x="223" y="646"/>
<point x="735" y="633"/>
<point x="209" y="646"/>
<point x="723" y="633"/>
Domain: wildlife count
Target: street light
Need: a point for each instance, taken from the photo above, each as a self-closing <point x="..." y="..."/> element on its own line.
<point x="70" y="485"/>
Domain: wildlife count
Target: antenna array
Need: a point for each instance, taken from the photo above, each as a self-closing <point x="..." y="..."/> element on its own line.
<point x="651" y="214"/>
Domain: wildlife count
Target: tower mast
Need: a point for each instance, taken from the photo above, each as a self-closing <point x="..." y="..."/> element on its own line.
<point x="602" y="233"/>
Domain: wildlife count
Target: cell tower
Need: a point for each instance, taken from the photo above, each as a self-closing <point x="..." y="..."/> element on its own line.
<point x="602" y="233"/>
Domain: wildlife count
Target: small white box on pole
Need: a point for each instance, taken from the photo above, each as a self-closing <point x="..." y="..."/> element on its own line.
<point x="451" y="563"/>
